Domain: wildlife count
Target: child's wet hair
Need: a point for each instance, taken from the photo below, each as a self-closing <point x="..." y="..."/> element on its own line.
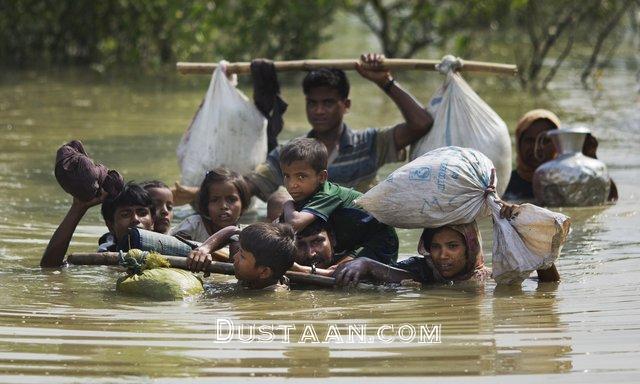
<point x="148" y="184"/>
<point x="222" y="175"/>
<point x="272" y="245"/>
<point x="327" y="77"/>
<point x="306" y="149"/>
<point x="132" y="194"/>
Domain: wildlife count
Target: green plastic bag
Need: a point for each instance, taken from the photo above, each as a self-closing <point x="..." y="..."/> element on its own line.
<point x="161" y="284"/>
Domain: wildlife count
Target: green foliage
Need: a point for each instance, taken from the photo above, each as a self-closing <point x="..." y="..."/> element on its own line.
<point x="539" y="35"/>
<point x="153" y="33"/>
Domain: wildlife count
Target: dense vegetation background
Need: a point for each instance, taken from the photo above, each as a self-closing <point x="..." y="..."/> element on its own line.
<point x="538" y="35"/>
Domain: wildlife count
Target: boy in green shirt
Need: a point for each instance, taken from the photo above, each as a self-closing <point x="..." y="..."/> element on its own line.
<point x="304" y="170"/>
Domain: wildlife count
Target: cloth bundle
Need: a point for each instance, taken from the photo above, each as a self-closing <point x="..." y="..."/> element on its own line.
<point x="81" y="177"/>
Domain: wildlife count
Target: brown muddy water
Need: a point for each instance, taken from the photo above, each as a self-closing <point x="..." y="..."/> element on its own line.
<point x="69" y="325"/>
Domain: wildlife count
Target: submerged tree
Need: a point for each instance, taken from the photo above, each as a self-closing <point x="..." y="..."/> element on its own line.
<point x="554" y="29"/>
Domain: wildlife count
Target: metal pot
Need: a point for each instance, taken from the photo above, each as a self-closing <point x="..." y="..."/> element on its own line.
<point x="571" y="179"/>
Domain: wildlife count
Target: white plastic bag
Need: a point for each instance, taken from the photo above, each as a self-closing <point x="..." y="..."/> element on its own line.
<point x="228" y="130"/>
<point x="531" y="239"/>
<point x="453" y="185"/>
<point x="463" y="119"/>
<point x="444" y="186"/>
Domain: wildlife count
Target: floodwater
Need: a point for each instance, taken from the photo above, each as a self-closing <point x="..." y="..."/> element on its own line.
<point x="69" y="325"/>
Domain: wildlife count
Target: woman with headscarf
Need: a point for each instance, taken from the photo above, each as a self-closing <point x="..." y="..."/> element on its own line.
<point x="451" y="253"/>
<point x="530" y="130"/>
<point x="533" y="149"/>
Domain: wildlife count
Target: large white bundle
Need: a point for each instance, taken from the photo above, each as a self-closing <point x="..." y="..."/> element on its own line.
<point x="228" y="130"/>
<point x="454" y="185"/>
<point x="463" y="119"/>
<point x="531" y="239"/>
<point x="441" y="187"/>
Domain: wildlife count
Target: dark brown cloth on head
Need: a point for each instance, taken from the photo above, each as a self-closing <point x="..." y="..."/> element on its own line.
<point x="266" y="97"/>
<point x="80" y="177"/>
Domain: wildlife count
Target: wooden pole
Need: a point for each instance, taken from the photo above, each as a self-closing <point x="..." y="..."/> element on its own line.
<point x="113" y="258"/>
<point x="348" y="64"/>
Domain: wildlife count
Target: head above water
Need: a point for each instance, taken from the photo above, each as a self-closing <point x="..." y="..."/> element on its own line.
<point x="453" y="251"/>
<point x="315" y="245"/>
<point x="223" y="197"/>
<point x="267" y="251"/>
<point x="162" y="198"/>
<point x="533" y="148"/>
<point x="133" y="207"/>
<point x="326" y="92"/>
<point x="304" y="166"/>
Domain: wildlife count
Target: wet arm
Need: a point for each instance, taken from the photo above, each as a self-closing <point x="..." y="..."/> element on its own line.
<point x="298" y="220"/>
<point x="53" y="255"/>
<point x="351" y="273"/>
<point x="417" y="121"/>
<point x="200" y="258"/>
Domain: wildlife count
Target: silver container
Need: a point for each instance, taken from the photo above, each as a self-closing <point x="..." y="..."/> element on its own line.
<point x="571" y="179"/>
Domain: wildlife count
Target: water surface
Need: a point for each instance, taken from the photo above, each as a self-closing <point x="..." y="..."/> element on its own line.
<point x="69" y="325"/>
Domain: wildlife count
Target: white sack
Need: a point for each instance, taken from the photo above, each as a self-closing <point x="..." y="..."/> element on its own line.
<point x="463" y="119"/>
<point x="228" y="130"/>
<point x="530" y="240"/>
<point x="453" y="185"/>
<point x="444" y="186"/>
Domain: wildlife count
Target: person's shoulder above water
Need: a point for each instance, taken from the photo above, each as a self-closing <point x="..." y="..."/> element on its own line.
<point x="518" y="188"/>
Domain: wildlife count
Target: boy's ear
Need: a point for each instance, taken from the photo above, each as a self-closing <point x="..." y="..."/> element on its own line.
<point x="347" y="104"/>
<point x="265" y="273"/>
<point x="324" y="175"/>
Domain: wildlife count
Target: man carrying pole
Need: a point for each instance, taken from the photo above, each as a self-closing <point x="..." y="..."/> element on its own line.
<point x="354" y="156"/>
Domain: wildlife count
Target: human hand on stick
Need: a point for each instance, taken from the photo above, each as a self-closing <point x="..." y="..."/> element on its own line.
<point x="371" y="67"/>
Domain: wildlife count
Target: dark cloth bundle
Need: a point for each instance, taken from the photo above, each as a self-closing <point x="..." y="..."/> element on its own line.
<point x="266" y="97"/>
<point x="80" y="177"/>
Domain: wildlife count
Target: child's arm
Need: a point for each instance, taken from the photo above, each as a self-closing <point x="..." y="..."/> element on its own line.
<point x="200" y="258"/>
<point x="298" y="220"/>
<point x="53" y="255"/>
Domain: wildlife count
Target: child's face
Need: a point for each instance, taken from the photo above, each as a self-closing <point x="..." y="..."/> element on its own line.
<point x="163" y="202"/>
<point x="224" y="206"/>
<point x="130" y="216"/>
<point x="245" y="268"/>
<point x="315" y="249"/>
<point x="448" y="252"/>
<point x="300" y="180"/>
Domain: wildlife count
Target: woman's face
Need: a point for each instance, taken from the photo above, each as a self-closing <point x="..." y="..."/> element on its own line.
<point x="448" y="252"/>
<point x="527" y="147"/>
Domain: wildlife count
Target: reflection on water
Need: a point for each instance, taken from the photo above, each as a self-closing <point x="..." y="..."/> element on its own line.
<point x="70" y="325"/>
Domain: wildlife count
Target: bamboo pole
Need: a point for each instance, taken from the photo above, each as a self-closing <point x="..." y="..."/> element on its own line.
<point x="348" y="64"/>
<point x="180" y="262"/>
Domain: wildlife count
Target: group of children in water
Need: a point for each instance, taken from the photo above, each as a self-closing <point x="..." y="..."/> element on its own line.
<point x="320" y="229"/>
